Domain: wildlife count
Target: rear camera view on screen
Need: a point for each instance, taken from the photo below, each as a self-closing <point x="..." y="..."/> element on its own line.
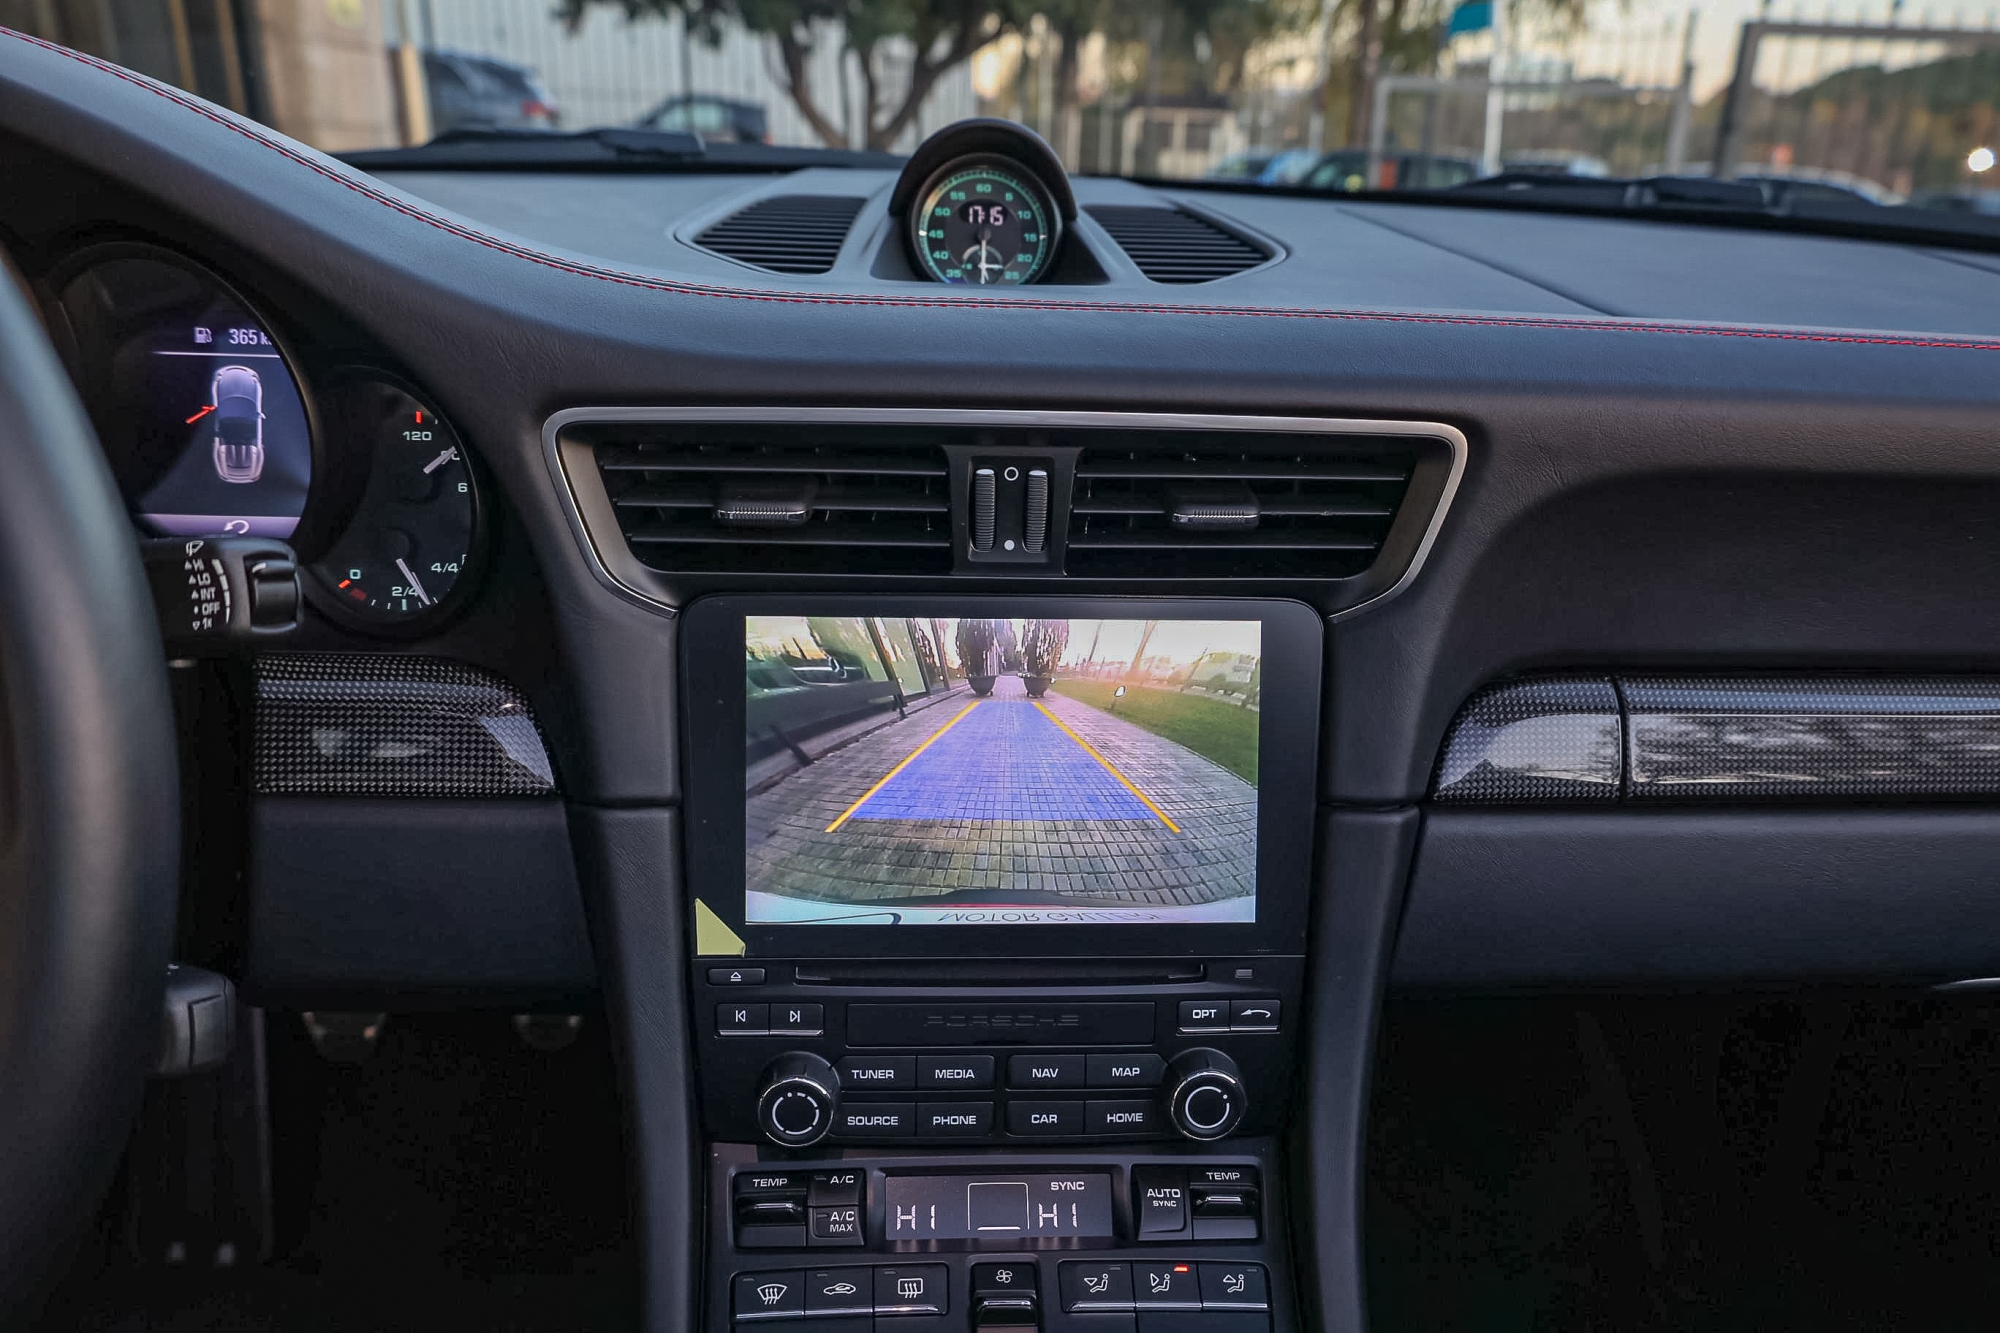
<point x="980" y="772"/>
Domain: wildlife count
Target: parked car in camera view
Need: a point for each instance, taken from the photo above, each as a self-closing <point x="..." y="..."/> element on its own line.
<point x="238" y="398"/>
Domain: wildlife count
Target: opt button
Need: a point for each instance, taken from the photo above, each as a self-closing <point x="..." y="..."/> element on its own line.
<point x="1204" y="1015"/>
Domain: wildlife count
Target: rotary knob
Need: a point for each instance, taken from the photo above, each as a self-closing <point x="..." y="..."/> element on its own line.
<point x="1205" y="1098"/>
<point x="795" y="1108"/>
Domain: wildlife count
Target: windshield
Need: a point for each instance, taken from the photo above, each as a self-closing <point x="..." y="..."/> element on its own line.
<point x="1337" y="96"/>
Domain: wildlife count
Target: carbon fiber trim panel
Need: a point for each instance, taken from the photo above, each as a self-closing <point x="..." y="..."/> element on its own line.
<point x="1714" y="739"/>
<point x="1554" y="738"/>
<point x="1753" y="738"/>
<point x="352" y="725"/>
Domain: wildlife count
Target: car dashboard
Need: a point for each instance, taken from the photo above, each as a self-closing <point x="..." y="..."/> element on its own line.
<point x="1614" y="587"/>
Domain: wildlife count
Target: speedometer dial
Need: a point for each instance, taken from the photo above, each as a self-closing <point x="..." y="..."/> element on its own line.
<point x="985" y="222"/>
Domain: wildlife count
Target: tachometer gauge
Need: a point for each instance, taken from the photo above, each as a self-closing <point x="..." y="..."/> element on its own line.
<point x="404" y="560"/>
<point x="984" y="221"/>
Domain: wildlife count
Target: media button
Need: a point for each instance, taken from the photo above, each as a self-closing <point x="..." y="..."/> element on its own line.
<point x="1135" y="1117"/>
<point x="1045" y="1119"/>
<point x="886" y="1073"/>
<point x="1045" y="1071"/>
<point x="877" y="1120"/>
<point x="955" y="1071"/>
<point x="1092" y="1286"/>
<point x="742" y="1020"/>
<point x="770" y="1296"/>
<point x="1204" y="1015"/>
<point x="955" y="1119"/>
<point x="1126" y="1071"/>
<point x="1253" y="1015"/>
<point x="911" y="1289"/>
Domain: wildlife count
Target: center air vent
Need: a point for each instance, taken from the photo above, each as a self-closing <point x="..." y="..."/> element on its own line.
<point x="1173" y="245"/>
<point x="793" y="233"/>
<point x="738" y="500"/>
<point x="1218" y="508"/>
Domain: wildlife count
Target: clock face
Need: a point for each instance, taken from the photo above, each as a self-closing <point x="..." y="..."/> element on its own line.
<point x="984" y="223"/>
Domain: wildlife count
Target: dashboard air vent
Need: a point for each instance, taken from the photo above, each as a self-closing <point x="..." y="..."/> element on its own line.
<point x="1213" y="507"/>
<point x="1173" y="245"/>
<point x="739" y="500"/>
<point x="793" y="233"/>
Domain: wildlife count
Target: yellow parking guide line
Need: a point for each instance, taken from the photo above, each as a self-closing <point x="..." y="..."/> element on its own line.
<point x="1109" y="767"/>
<point x="908" y="759"/>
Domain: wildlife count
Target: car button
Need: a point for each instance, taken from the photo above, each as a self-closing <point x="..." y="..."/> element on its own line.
<point x="890" y="1073"/>
<point x="1088" y="1286"/>
<point x="840" y="1291"/>
<point x="1044" y="1119"/>
<point x="770" y="1295"/>
<point x="954" y="1071"/>
<point x="1253" y="1015"/>
<point x="1045" y="1071"/>
<point x="1234" y="1287"/>
<point x="1126" y="1071"/>
<point x="911" y="1289"/>
<point x="1166" y="1286"/>
<point x="1204" y="1015"/>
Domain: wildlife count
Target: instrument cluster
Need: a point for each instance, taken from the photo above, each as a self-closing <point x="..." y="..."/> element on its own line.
<point x="215" y="428"/>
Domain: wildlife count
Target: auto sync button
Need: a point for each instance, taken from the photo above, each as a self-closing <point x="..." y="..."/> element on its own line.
<point x="1162" y="1200"/>
<point x="879" y="1120"/>
<point x="911" y="1289"/>
<point x="1045" y="1071"/>
<point x="955" y="1071"/>
<point x="832" y="1291"/>
<point x="1092" y="1286"/>
<point x="770" y="1296"/>
<point x="955" y="1119"/>
<point x="891" y="1073"/>
<point x="1044" y="1119"/>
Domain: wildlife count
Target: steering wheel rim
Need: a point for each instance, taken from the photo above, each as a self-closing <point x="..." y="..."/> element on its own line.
<point x="89" y="812"/>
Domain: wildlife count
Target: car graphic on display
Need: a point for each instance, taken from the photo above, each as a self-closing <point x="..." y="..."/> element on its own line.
<point x="238" y="397"/>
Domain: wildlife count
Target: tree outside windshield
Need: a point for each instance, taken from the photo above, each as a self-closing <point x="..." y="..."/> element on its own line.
<point x="1867" y="105"/>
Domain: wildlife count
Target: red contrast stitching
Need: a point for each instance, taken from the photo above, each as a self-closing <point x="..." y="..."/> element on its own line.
<point x="352" y="182"/>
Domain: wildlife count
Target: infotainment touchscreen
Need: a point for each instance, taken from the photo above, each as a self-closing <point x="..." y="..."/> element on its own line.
<point x="904" y="770"/>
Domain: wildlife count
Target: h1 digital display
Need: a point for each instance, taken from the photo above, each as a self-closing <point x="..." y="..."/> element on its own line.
<point x="1007" y="1209"/>
<point x="1001" y="771"/>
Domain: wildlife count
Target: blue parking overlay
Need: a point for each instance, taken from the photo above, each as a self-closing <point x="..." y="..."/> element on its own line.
<point x="1004" y="761"/>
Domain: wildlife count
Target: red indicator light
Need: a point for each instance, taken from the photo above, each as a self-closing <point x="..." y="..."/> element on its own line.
<point x="345" y="582"/>
<point x="1180" y="1268"/>
<point x="199" y="415"/>
<point x="420" y="416"/>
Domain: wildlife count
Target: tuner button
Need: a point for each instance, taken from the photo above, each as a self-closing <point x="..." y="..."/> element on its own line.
<point x="795" y="1109"/>
<point x="1205" y="1097"/>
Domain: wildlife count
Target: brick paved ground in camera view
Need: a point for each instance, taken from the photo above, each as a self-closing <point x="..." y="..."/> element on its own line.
<point x="1006" y="803"/>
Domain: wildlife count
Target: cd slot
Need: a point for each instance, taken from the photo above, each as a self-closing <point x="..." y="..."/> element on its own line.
<point x="960" y="972"/>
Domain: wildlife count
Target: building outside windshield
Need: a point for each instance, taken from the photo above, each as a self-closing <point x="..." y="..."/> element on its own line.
<point x="1870" y="106"/>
